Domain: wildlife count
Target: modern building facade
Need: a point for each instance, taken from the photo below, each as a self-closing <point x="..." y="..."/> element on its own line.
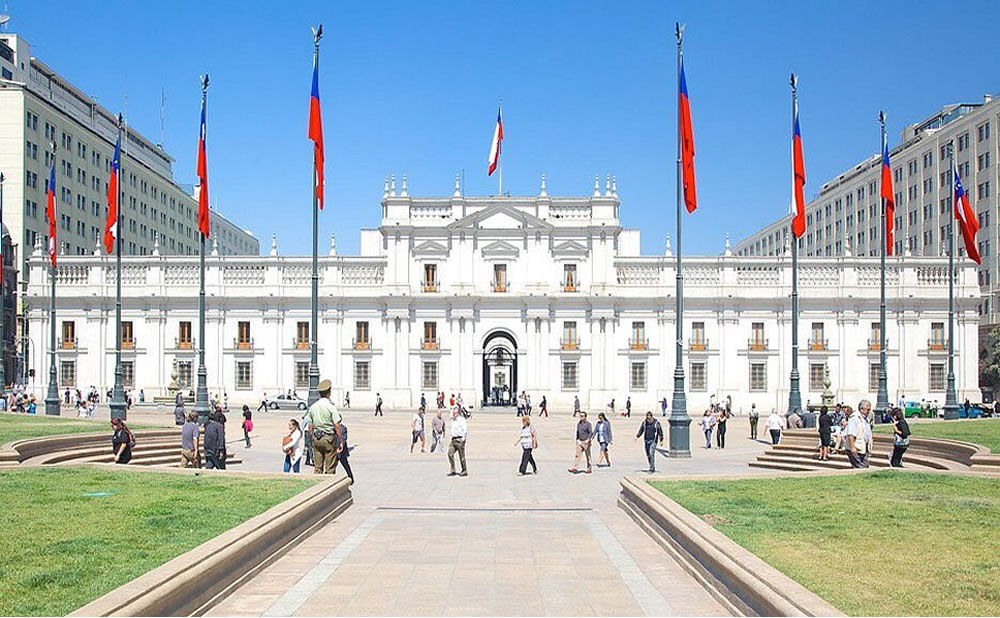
<point x="481" y="295"/>
<point x="844" y="218"/>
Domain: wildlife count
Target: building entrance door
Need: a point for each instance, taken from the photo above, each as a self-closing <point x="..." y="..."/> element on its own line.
<point x="499" y="370"/>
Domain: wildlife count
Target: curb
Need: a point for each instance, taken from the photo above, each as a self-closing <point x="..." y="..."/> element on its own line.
<point x="743" y="582"/>
<point x="197" y="580"/>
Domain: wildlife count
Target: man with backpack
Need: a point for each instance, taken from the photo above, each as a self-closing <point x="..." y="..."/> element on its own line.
<point x="652" y="433"/>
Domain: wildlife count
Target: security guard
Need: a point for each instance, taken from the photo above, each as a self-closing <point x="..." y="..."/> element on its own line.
<point x="324" y="419"/>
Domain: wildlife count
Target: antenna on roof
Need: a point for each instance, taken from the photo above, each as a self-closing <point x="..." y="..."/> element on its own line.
<point x="163" y="113"/>
<point x="4" y="17"/>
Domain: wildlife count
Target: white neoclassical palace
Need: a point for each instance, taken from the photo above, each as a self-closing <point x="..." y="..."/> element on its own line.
<point x="549" y="295"/>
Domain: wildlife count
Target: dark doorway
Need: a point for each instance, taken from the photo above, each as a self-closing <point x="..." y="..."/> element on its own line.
<point x="499" y="369"/>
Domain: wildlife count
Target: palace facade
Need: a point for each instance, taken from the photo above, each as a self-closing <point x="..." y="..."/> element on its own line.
<point x="548" y="295"/>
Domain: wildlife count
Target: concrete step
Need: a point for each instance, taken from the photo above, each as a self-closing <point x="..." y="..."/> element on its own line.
<point x="773" y="465"/>
<point x="878" y="457"/>
<point x="807" y="463"/>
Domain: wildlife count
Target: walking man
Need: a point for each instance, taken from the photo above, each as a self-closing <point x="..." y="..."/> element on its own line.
<point x="417" y="425"/>
<point x="857" y="436"/>
<point x="190" y="458"/>
<point x="652" y="434"/>
<point x="663" y="406"/>
<point x="378" y="405"/>
<point x="584" y="435"/>
<point x="543" y="408"/>
<point x="576" y="405"/>
<point x="343" y="454"/>
<point x="327" y="437"/>
<point x="437" y="432"/>
<point x="459" y="434"/>
<point x="628" y="406"/>
<point x="754" y="418"/>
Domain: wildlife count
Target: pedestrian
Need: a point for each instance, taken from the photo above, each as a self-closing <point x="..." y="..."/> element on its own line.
<point x="344" y="454"/>
<point x="602" y="430"/>
<point x="215" y="443"/>
<point x="584" y="435"/>
<point x="307" y="438"/>
<point x="142" y="396"/>
<point x="652" y="434"/>
<point x="122" y="441"/>
<point x="378" y="404"/>
<point x="527" y="404"/>
<point x="825" y="423"/>
<point x="180" y="414"/>
<point x="423" y="402"/>
<point x="707" y="426"/>
<point x="774" y="425"/>
<point x="576" y="405"/>
<point x="901" y="438"/>
<point x="417" y="426"/>
<point x="292" y="446"/>
<point x="437" y="431"/>
<point x="870" y="415"/>
<point x="263" y="402"/>
<point x="225" y="401"/>
<point x="67" y="396"/>
<point x="347" y="400"/>
<point x="857" y="440"/>
<point x="32" y="405"/>
<point x="628" y="406"/>
<point x="528" y="441"/>
<point x="247" y="424"/>
<point x="794" y="420"/>
<point x="190" y="442"/>
<point x="611" y="406"/>
<point x="663" y="406"/>
<point x="520" y="404"/>
<point x="325" y="419"/>
<point x="459" y="435"/>
<point x="720" y="425"/>
<point x="754" y="417"/>
<point x="543" y="408"/>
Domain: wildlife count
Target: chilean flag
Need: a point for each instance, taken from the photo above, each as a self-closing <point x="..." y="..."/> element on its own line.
<point x="799" y="181"/>
<point x="203" y="216"/>
<point x="497" y="139"/>
<point x="316" y="131"/>
<point x="687" y="144"/>
<point x="111" y="225"/>
<point x="50" y="212"/>
<point x="966" y="218"/>
<point x="888" y="196"/>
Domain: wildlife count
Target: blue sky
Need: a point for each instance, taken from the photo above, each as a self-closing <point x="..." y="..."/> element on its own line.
<point x="412" y="87"/>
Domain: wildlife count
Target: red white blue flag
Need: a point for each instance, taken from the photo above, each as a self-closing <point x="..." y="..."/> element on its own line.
<point x="687" y="144"/>
<point x="966" y="218"/>
<point x="50" y="211"/>
<point x="316" y="131"/>
<point x="111" y="224"/>
<point x="798" y="180"/>
<point x="888" y="196"/>
<point x="203" y="216"/>
<point x="497" y="141"/>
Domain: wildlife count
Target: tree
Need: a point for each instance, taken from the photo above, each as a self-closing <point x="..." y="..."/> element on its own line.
<point x="989" y="361"/>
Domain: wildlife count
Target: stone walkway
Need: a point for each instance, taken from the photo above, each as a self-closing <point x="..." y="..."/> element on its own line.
<point x="417" y="542"/>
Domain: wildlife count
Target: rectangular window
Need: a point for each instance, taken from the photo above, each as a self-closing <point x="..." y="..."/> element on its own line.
<point x="361" y="339"/>
<point x="244" y="375"/>
<point x="875" y="340"/>
<point x="430" y="375"/>
<point x="637" y="377"/>
<point x="184" y="374"/>
<point x="937" y="340"/>
<point x="128" y="374"/>
<point x="699" y="377"/>
<point x="430" y="278"/>
<point x="817" y="341"/>
<point x="430" y="336"/>
<point x="639" y="341"/>
<point x="67" y="373"/>
<point x="128" y="341"/>
<point x="569" y="338"/>
<point x="816" y="373"/>
<point x="302" y="335"/>
<point x="500" y="278"/>
<point x="873" y="377"/>
<point x="758" y="377"/>
<point x="301" y="374"/>
<point x="362" y="375"/>
<point x="569" y="278"/>
<point x="68" y="335"/>
<point x="184" y="335"/>
<point x="698" y="340"/>
<point x="569" y="376"/>
<point x="936" y="377"/>
<point x="757" y="341"/>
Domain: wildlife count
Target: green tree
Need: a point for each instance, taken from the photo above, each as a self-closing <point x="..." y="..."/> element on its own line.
<point x="989" y="361"/>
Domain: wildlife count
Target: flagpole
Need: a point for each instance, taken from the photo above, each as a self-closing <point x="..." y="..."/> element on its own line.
<point x="313" y="344"/>
<point x="119" y="408"/>
<point x="882" y="400"/>
<point x="950" y="398"/>
<point x="52" y="396"/>
<point x="201" y="392"/>
<point x="679" y="421"/>
<point x="499" y="151"/>
<point x="794" y="395"/>
<point x="3" y="298"/>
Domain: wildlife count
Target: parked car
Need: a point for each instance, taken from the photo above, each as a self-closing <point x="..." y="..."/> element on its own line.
<point x="287" y="402"/>
<point x="975" y="410"/>
<point x="920" y="409"/>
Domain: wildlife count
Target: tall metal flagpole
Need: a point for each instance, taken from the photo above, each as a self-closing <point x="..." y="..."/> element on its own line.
<point x="313" y="345"/>
<point x="950" y="398"/>
<point x="3" y="303"/>
<point x="882" y="400"/>
<point x="52" y="396"/>
<point x="680" y="435"/>
<point x="201" y="393"/>
<point x="119" y="408"/>
<point x="794" y="396"/>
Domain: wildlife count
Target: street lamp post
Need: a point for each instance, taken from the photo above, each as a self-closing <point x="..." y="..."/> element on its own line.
<point x="950" y="398"/>
<point x="882" y="400"/>
<point x="118" y="405"/>
<point x="201" y="392"/>
<point x="314" y="327"/>
<point x="794" y="395"/>
<point x="3" y="301"/>
<point x="52" y="396"/>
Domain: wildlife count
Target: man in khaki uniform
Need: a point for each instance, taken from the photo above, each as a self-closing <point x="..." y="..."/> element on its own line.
<point x="324" y="419"/>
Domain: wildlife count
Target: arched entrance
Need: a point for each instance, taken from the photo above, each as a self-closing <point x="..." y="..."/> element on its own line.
<point x="499" y="369"/>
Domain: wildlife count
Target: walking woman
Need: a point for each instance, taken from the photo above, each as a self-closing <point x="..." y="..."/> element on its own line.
<point x="707" y="425"/>
<point x="825" y="434"/>
<point x="720" y="426"/>
<point x="292" y="445"/>
<point x="122" y="441"/>
<point x="604" y="437"/>
<point x="901" y="438"/>
<point x="529" y="442"/>
<point x="247" y="424"/>
<point x="774" y="425"/>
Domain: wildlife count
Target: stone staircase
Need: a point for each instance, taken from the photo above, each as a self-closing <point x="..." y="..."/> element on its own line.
<point x="153" y="448"/>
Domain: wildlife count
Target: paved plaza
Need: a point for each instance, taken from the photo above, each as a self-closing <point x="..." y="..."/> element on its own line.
<point x="419" y="542"/>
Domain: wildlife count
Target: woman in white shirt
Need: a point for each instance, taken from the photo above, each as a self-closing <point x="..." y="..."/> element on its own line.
<point x="292" y="445"/>
<point x="528" y="441"/>
<point x="775" y="424"/>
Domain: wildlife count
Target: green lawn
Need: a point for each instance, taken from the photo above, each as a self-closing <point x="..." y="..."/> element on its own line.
<point x="981" y="431"/>
<point x="887" y="543"/>
<point x="21" y="426"/>
<point x="71" y="535"/>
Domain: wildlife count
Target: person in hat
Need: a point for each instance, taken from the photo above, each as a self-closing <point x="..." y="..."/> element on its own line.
<point x="324" y="419"/>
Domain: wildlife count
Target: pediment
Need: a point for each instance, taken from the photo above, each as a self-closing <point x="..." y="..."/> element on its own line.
<point x="430" y="247"/>
<point x="500" y="249"/>
<point x="570" y="248"/>
<point x="501" y="217"/>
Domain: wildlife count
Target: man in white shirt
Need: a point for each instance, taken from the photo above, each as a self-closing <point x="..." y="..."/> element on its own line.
<point x="858" y="435"/>
<point x="417" y="425"/>
<point x="459" y="434"/>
